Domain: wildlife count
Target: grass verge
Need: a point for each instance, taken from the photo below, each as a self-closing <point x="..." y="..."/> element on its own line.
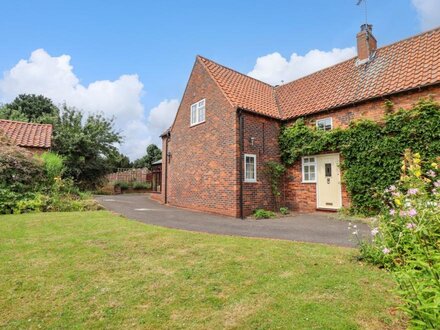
<point x="97" y="270"/>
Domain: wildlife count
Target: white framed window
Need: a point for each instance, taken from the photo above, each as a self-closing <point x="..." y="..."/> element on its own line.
<point x="324" y="124"/>
<point x="250" y="168"/>
<point x="198" y="112"/>
<point x="308" y="169"/>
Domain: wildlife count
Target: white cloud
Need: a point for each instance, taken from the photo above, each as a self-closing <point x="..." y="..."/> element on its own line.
<point x="54" y="77"/>
<point x="274" y="68"/>
<point x="428" y="12"/>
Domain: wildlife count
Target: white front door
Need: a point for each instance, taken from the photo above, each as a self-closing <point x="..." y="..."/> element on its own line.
<point x="328" y="182"/>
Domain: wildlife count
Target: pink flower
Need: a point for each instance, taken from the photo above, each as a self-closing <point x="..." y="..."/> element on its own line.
<point x="437" y="184"/>
<point x="431" y="173"/>
<point x="375" y="231"/>
<point x="411" y="225"/>
<point x="413" y="191"/>
<point x="412" y="212"/>
<point x="402" y="213"/>
<point x="386" y="250"/>
<point x="392" y="211"/>
<point x="392" y="188"/>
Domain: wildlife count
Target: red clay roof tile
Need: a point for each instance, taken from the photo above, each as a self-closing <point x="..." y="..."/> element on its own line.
<point x="27" y="134"/>
<point x="407" y="64"/>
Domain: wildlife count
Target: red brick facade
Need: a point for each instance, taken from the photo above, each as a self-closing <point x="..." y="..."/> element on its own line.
<point x="201" y="168"/>
<point x="260" y="138"/>
<point x="201" y="165"/>
<point x="302" y="196"/>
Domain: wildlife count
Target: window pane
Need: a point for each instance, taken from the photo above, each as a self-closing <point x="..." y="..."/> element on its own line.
<point x="202" y="103"/>
<point x="201" y="114"/>
<point x="312" y="160"/>
<point x="306" y="176"/>
<point x="312" y="176"/>
<point x="249" y="168"/>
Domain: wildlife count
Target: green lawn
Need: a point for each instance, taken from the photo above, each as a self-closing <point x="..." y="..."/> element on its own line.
<point x="97" y="270"/>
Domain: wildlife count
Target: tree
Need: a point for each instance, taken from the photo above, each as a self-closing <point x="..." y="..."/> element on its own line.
<point x="30" y="108"/>
<point x="153" y="154"/>
<point x="86" y="144"/>
<point x="119" y="160"/>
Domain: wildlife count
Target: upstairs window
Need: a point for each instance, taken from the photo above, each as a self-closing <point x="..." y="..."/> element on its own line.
<point x="324" y="124"/>
<point x="198" y="112"/>
<point x="308" y="169"/>
<point x="250" y="168"/>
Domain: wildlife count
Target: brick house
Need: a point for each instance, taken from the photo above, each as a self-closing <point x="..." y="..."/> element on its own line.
<point x="227" y="125"/>
<point x="36" y="138"/>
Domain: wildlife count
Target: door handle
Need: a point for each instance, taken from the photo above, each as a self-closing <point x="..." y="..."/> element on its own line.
<point x="328" y="180"/>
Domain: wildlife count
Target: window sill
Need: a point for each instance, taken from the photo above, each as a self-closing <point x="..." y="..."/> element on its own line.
<point x="308" y="181"/>
<point x="197" y="124"/>
<point x="250" y="181"/>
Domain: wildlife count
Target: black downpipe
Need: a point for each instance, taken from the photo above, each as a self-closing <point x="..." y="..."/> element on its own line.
<point x="166" y="168"/>
<point x="240" y="163"/>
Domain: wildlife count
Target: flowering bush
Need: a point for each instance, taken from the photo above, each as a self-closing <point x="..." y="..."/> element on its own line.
<point x="406" y="240"/>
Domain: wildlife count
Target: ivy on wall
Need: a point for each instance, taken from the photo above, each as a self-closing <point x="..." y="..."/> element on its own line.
<point x="371" y="152"/>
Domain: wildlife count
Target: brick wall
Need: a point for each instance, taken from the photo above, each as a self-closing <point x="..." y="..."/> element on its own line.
<point x="202" y="171"/>
<point x="302" y="196"/>
<point x="264" y="145"/>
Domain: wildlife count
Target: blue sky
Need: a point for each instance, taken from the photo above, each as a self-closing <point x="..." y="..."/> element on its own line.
<point x="153" y="45"/>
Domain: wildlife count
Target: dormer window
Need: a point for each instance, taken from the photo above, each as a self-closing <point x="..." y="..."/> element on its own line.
<point x="325" y="124"/>
<point x="198" y="112"/>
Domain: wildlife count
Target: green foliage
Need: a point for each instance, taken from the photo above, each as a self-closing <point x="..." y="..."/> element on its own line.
<point x="53" y="165"/>
<point x="407" y="240"/>
<point x="263" y="214"/>
<point x="371" y="152"/>
<point x="141" y="185"/>
<point x="19" y="171"/>
<point x="31" y="108"/>
<point x="153" y="154"/>
<point x="284" y="210"/>
<point x="275" y="172"/>
<point x="85" y="144"/>
<point x="122" y="184"/>
<point x="33" y="184"/>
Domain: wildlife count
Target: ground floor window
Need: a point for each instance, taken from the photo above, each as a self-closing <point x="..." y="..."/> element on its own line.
<point x="250" y="168"/>
<point x="308" y="169"/>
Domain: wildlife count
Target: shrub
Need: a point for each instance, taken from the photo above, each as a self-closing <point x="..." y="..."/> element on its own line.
<point x="19" y="171"/>
<point x="53" y="165"/>
<point x="122" y="184"/>
<point x="284" y="210"/>
<point x="406" y="239"/>
<point x="263" y="214"/>
<point x="141" y="185"/>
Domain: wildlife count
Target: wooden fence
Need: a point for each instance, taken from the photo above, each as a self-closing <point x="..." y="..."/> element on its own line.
<point x="130" y="175"/>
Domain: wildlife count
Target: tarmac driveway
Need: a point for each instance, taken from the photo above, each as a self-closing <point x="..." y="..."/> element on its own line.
<point x="313" y="227"/>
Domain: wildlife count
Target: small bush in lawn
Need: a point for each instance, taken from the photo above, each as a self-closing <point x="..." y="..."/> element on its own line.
<point x="284" y="210"/>
<point x="263" y="214"/>
<point x="406" y="240"/>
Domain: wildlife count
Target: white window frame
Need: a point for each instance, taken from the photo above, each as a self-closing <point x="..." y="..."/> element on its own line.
<point x="197" y="112"/>
<point x="305" y="162"/>
<point x="254" y="179"/>
<point x="325" y="122"/>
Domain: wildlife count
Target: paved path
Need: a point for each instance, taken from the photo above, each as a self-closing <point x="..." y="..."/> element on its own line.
<point x="315" y="227"/>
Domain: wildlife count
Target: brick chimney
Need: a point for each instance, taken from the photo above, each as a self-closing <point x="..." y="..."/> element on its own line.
<point x="366" y="43"/>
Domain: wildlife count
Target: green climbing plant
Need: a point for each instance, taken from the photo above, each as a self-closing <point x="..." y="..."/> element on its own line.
<point x="371" y="152"/>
